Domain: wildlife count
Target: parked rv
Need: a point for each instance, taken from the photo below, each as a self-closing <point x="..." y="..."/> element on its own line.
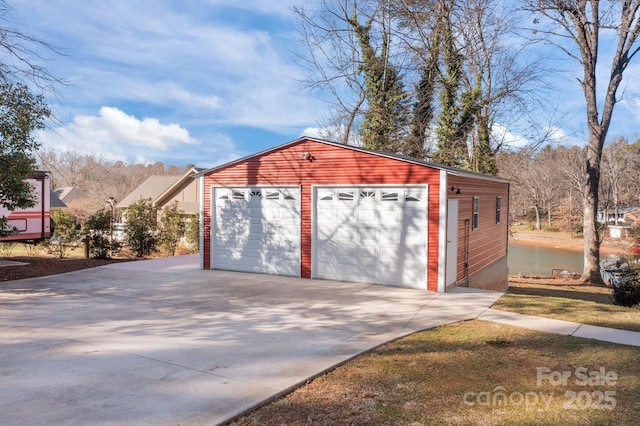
<point x="31" y="224"/>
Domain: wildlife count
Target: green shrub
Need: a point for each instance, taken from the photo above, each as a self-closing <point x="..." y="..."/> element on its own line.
<point x="140" y="228"/>
<point x="101" y="243"/>
<point x="626" y="291"/>
<point x="172" y="228"/>
<point x="65" y="232"/>
<point x="193" y="234"/>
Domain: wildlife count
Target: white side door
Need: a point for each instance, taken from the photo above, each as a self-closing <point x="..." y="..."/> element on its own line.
<point x="452" y="243"/>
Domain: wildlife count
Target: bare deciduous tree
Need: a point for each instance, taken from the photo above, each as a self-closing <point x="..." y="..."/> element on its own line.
<point x="616" y="160"/>
<point x="21" y="55"/>
<point x="331" y="60"/>
<point x="576" y="27"/>
<point x="98" y="178"/>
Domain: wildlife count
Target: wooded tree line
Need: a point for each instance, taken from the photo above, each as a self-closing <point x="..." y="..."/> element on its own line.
<point x="548" y="184"/>
<point x="425" y="78"/>
<point x="97" y="177"/>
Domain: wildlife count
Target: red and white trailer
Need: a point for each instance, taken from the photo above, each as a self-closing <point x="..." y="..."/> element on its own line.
<point x="31" y="223"/>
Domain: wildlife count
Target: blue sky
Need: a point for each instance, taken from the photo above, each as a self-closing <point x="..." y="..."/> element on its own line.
<point x="199" y="82"/>
<point x="195" y="82"/>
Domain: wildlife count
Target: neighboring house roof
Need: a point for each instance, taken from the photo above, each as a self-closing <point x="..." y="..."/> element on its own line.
<point x="168" y="192"/>
<point x="187" y="199"/>
<point x="449" y="169"/>
<point x="163" y="189"/>
<point x="68" y="194"/>
<point x="151" y="188"/>
<point x="55" y="202"/>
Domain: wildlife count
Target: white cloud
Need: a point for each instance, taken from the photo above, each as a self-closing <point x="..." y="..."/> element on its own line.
<point x="117" y="136"/>
<point x="314" y="132"/>
<point x="189" y="63"/>
<point x="504" y="136"/>
<point x="271" y="7"/>
<point x="558" y="136"/>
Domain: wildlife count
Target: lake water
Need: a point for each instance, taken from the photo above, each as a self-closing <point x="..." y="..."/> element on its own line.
<point x="534" y="260"/>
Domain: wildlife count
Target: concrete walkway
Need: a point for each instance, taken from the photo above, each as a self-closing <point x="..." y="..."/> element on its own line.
<point x="623" y="337"/>
<point x="5" y="263"/>
<point x="162" y="342"/>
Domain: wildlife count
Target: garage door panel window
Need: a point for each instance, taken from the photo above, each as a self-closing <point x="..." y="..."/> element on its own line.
<point x="325" y="195"/>
<point x="368" y="196"/>
<point x="414" y="195"/>
<point x="346" y="195"/>
<point x="390" y="196"/>
<point x="475" y="216"/>
<point x="238" y="195"/>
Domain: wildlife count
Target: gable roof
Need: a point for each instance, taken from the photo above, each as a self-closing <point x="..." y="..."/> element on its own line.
<point x="176" y="184"/>
<point x="69" y="193"/>
<point x="448" y="169"/>
<point x="55" y="202"/>
<point x="150" y="188"/>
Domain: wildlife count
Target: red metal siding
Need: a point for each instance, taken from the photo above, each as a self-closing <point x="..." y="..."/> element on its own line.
<point x="478" y="248"/>
<point x="327" y="165"/>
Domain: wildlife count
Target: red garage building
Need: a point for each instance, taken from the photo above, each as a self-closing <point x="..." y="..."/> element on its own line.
<point x="317" y="209"/>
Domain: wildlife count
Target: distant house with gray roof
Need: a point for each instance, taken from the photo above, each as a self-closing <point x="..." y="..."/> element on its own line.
<point x="69" y="194"/>
<point x="165" y="190"/>
<point x="55" y="202"/>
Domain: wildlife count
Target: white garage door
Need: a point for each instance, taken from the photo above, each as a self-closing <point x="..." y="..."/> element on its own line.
<point x="257" y="230"/>
<point x="376" y="235"/>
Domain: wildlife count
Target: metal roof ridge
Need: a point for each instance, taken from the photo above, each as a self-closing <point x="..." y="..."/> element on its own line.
<point x="449" y="169"/>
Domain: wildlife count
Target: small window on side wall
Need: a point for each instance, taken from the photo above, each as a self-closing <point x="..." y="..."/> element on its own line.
<point x="476" y="213"/>
<point x="498" y="210"/>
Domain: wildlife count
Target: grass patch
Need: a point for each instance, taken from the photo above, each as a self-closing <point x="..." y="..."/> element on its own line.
<point x="457" y="374"/>
<point x="570" y="302"/>
<point x="9" y="249"/>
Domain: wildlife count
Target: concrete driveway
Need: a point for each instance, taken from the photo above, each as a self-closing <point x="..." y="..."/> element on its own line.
<point x="162" y="342"/>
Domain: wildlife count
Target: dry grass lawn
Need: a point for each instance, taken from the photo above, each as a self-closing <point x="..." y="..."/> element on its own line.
<point x="483" y="373"/>
<point x="469" y="373"/>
